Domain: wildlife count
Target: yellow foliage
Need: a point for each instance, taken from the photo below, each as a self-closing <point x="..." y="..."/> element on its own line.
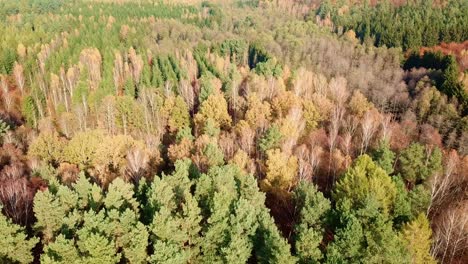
<point x="417" y="237"/>
<point x="311" y="115"/>
<point x="112" y="152"/>
<point x="81" y="149"/>
<point x="214" y="107"/>
<point x="176" y="112"/>
<point x="243" y="161"/>
<point x="281" y="171"/>
<point x="47" y="147"/>
<point x="258" y="114"/>
<point x="284" y="102"/>
<point x="180" y="151"/>
<point x="359" y="104"/>
<point x="323" y="104"/>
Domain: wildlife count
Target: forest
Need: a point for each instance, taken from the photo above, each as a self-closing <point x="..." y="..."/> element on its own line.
<point x="234" y="131"/>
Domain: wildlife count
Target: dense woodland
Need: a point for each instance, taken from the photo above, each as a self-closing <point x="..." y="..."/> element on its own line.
<point x="243" y="131"/>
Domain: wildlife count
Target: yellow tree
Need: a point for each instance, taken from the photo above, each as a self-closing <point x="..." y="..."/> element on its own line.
<point x="311" y="115"/>
<point x="358" y="104"/>
<point x="284" y="102"/>
<point x="417" y="237"/>
<point x="48" y="147"/>
<point x="258" y="113"/>
<point x="215" y="108"/>
<point x="176" y="112"/>
<point x="281" y="171"/>
<point x="82" y="148"/>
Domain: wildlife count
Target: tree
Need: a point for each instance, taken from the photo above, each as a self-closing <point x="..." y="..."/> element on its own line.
<point x="129" y="114"/>
<point x="416" y="164"/>
<point x="110" y="158"/>
<point x="215" y="108"/>
<point x="258" y="113"/>
<point x="365" y="201"/>
<point x="271" y="139"/>
<point x="82" y="148"/>
<point x="4" y="127"/>
<point x="219" y="216"/>
<point x="48" y="147"/>
<point x="15" y="247"/>
<point x="84" y="224"/>
<point x="362" y="182"/>
<point x="384" y="157"/>
<point x="30" y="110"/>
<point x="281" y="171"/>
<point x="347" y="244"/>
<point x="176" y="111"/>
<point x="417" y="236"/>
<point x="311" y="115"/>
<point x="358" y="104"/>
<point x="313" y="208"/>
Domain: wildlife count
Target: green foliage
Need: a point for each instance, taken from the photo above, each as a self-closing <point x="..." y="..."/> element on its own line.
<point x="157" y="79"/>
<point x="215" y="14"/>
<point x="410" y="26"/>
<point x="4" y="127"/>
<point x="384" y="157"/>
<point x="168" y="72"/>
<point x="361" y="242"/>
<point x="129" y="88"/>
<point x="129" y="115"/>
<point x="269" y="68"/>
<point x="7" y="59"/>
<point x="365" y="183"/>
<point x="313" y="208"/>
<point x="231" y="208"/>
<point x="419" y="198"/>
<point x="241" y="82"/>
<point x="82" y="224"/>
<point x="177" y="113"/>
<point x="270" y="247"/>
<point x="402" y="212"/>
<point x="30" y="111"/>
<point x="263" y="63"/>
<point x="206" y="87"/>
<point x="183" y="133"/>
<point x="211" y="128"/>
<point x="234" y="48"/>
<point x="271" y="139"/>
<point x="366" y="202"/>
<point x="417" y="165"/>
<point x="15" y="247"/>
<point x="82" y="91"/>
<point x="448" y="82"/>
<point x="213" y="154"/>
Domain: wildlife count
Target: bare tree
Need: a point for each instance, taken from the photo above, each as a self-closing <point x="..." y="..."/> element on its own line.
<point x="18" y="72"/>
<point x="15" y="194"/>
<point x="334" y="128"/>
<point x="451" y="234"/>
<point x="137" y="162"/>
<point x="338" y="90"/>
<point x="119" y="74"/>
<point x="297" y="126"/>
<point x="369" y="125"/>
<point x="441" y="183"/>
<point x="386" y="125"/>
<point x="92" y="60"/>
<point x="136" y="64"/>
<point x="186" y="91"/>
<point x="304" y="169"/>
